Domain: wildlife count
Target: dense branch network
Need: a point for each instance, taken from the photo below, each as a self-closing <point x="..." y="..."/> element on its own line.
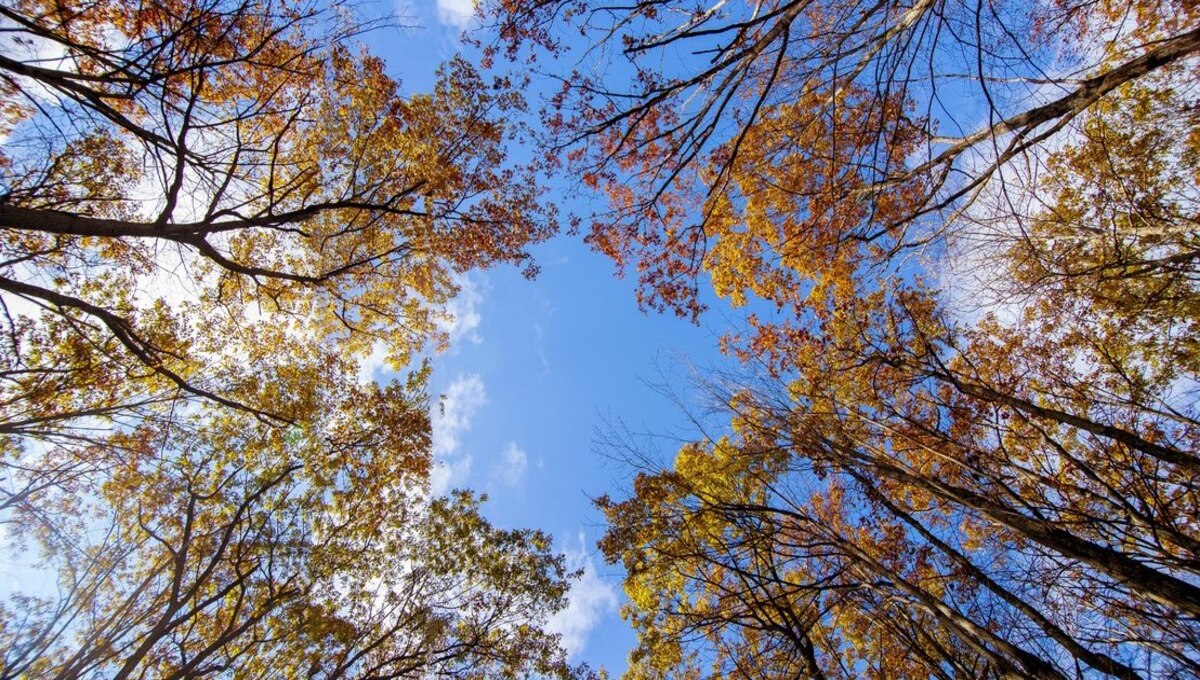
<point x="210" y="212"/>
<point x="964" y="440"/>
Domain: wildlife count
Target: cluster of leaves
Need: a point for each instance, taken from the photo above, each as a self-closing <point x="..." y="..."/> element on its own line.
<point x="222" y="552"/>
<point x="907" y="488"/>
<point x="210" y="212"/>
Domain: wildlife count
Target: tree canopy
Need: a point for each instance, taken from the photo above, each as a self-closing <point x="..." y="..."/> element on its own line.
<point x="960" y="441"/>
<point x="210" y="212"/>
<point x="964" y="440"/>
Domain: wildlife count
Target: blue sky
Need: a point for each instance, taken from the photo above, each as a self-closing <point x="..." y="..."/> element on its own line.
<point x="537" y="368"/>
<point x="540" y="368"/>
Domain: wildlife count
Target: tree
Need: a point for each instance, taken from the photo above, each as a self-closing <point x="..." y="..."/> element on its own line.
<point x="225" y="552"/>
<point x="845" y="99"/>
<point x="906" y="490"/>
<point x="184" y="145"/>
<point x="209" y="213"/>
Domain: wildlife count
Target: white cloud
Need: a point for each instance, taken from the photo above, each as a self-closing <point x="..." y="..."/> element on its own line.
<point x="452" y="417"/>
<point x="540" y="344"/>
<point x="463" y="315"/>
<point x="449" y="474"/>
<point x="40" y="52"/>
<point x="455" y="410"/>
<point x="590" y="599"/>
<point x="375" y="363"/>
<point x="510" y="470"/>
<point x="456" y="12"/>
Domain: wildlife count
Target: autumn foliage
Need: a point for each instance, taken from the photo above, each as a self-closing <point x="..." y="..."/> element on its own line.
<point x="963" y="442"/>
<point x="210" y="212"/>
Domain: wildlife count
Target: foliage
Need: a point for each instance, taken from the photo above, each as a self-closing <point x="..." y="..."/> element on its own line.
<point x="907" y="488"/>
<point x="210" y="213"/>
<point x="226" y="550"/>
<point x="184" y="148"/>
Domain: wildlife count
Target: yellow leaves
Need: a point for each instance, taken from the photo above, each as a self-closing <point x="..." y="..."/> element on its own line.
<point x="320" y="221"/>
<point x="242" y="208"/>
<point x="938" y="480"/>
<point x="320" y="539"/>
<point x="1114" y="241"/>
<point x="707" y="471"/>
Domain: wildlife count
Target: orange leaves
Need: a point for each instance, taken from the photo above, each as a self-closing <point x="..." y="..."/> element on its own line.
<point x="338" y="211"/>
<point x="235" y="206"/>
<point x="955" y="490"/>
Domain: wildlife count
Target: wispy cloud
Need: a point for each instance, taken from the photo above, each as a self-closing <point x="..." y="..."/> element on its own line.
<point x="449" y="474"/>
<point x="463" y="312"/>
<point x="540" y="344"/>
<point x="456" y="13"/>
<point x="510" y="470"/>
<point x="373" y="365"/>
<point x="451" y="418"/>
<point x="590" y="599"/>
<point x="404" y="11"/>
<point x="459" y="319"/>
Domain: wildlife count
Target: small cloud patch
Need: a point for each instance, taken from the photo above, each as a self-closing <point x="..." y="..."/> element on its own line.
<point x="452" y="417"/>
<point x="457" y="13"/>
<point x="510" y="470"/>
<point x="590" y="600"/>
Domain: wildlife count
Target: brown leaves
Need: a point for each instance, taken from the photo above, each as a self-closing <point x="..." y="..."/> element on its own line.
<point x="907" y="491"/>
<point x="211" y="212"/>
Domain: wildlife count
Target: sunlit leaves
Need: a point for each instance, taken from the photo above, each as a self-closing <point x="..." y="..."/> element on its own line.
<point x="210" y="212"/>
<point x="905" y="488"/>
